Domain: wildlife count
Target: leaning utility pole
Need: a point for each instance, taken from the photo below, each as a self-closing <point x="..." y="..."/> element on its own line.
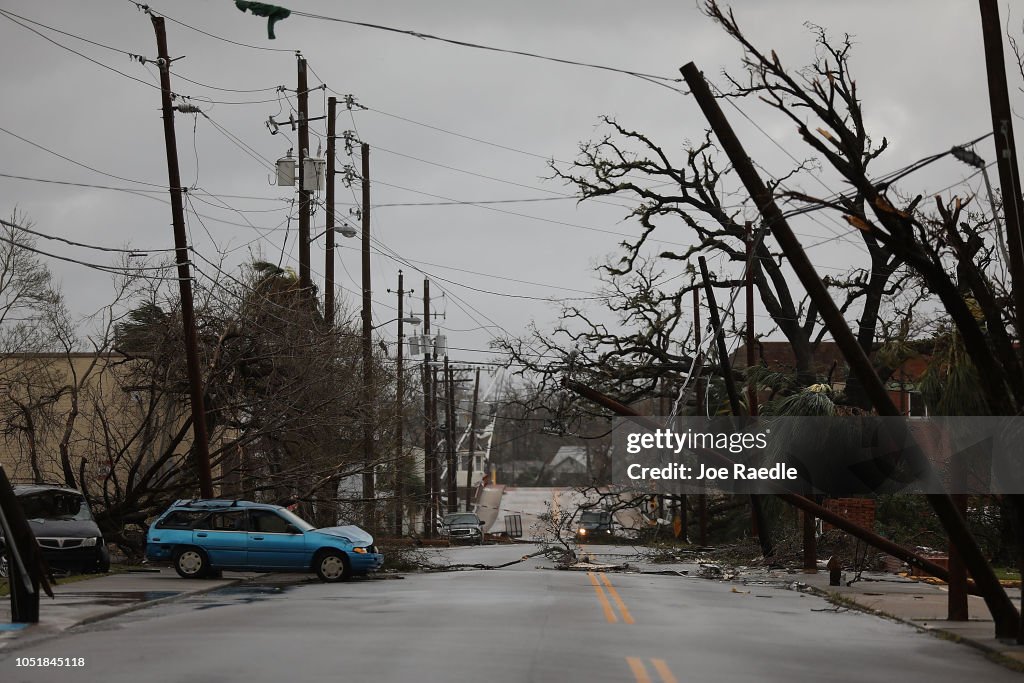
<point x="399" y="412"/>
<point x="428" y="426"/>
<point x="1004" y="613"/>
<point x="757" y="514"/>
<point x="369" y="494"/>
<point x="332" y="103"/>
<point x="472" y="443"/>
<point x="200" y="439"/>
<point x="1013" y="210"/>
<point x="305" y="281"/>
<point x="698" y="396"/>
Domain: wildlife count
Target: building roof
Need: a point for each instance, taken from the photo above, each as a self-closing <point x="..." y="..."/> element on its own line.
<point x="571" y="457"/>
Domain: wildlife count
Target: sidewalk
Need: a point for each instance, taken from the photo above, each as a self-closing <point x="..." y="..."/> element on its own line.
<point x="90" y="600"/>
<point x="919" y="604"/>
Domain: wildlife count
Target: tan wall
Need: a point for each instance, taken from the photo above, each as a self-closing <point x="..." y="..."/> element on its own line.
<point x="37" y="395"/>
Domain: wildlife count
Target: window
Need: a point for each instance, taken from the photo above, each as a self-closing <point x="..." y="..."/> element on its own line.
<point x="55" y="505"/>
<point x="229" y="520"/>
<point x="268" y="522"/>
<point x="917" y="405"/>
<point x="180" y="519"/>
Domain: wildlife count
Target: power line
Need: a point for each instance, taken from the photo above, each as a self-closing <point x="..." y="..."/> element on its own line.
<point x="78" y="163"/>
<point x="522" y="215"/>
<point x="130" y="252"/>
<point x="651" y="78"/>
<point x="83" y="56"/>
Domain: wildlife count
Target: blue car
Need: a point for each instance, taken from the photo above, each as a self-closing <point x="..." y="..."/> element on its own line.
<point x="202" y="537"/>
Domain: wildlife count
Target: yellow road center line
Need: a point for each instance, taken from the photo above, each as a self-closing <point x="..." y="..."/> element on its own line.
<point x="609" y="614"/>
<point x="639" y="672"/>
<point x="662" y="668"/>
<point x="626" y="616"/>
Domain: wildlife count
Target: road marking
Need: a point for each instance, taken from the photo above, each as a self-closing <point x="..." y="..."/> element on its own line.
<point x="609" y="614"/>
<point x="626" y="616"/>
<point x="639" y="672"/>
<point x="636" y="665"/>
<point x="662" y="668"/>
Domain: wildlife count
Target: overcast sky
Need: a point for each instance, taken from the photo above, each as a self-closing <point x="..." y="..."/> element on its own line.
<point x="919" y="69"/>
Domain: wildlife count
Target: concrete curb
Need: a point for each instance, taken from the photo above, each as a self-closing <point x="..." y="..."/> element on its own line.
<point x="994" y="654"/>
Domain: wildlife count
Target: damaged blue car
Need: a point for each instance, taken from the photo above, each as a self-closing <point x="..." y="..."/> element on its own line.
<point x="204" y="536"/>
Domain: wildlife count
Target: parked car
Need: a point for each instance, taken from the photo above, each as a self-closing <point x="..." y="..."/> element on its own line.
<point x="64" y="528"/>
<point x="463" y="527"/>
<point x="202" y="537"/>
<point x="593" y="525"/>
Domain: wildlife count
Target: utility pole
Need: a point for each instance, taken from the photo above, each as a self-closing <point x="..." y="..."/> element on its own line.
<point x="200" y="439"/>
<point x="751" y="265"/>
<point x="1006" y="152"/>
<point x="305" y="282"/>
<point x="428" y="426"/>
<point x="756" y="513"/>
<point x="1004" y="613"/>
<point x="453" y="456"/>
<point x="702" y="500"/>
<point x="332" y="103"/>
<point x="1013" y="203"/>
<point x="399" y="413"/>
<point x="723" y="352"/>
<point x="472" y="443"/>
<point x="369" y="494"/>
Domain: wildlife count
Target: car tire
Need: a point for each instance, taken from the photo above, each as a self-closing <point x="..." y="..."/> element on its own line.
<point x="191" y="563"/>
<point x="332" y="566"/>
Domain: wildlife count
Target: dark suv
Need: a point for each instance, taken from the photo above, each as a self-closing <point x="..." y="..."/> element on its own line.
<point x="64" y="527"/>
<point x="463" y="527"/>
<point x="594" y="525"/>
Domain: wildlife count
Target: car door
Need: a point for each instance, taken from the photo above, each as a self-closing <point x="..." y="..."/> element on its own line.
<point x="223" y="536"/>
<point x="273" y="543"/>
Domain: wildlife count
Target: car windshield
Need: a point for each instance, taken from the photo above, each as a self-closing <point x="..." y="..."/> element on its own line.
<point x="461" y="519"/>
<point x="296" y="521"/>
<point x="55" y="506"/>
<point x="594" y="517"/>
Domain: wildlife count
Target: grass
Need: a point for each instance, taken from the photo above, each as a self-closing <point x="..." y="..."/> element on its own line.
<point x="1007" y="573"/>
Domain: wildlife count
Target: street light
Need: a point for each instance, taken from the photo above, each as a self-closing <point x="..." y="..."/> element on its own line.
<point x="408" y="320"/>
<point x="971" y="158"/>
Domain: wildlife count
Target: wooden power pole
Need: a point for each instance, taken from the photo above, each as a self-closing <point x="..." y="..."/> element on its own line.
<point x="1013" y="211"/>
<point x="430" y="517"/>
<point x="200" y="438"/>
<point x="399" y="413"/>
<point x="472" y="442"/>
<point x="760" y="524"/>
<point x="451" y="483"/>
<point x="698" y="396"/>
<point x="369" y="492"/>
<point x="332" y="103"/>
<point x="305" y="281"/>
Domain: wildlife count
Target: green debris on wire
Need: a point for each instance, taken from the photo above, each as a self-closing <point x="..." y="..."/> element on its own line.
<point x="273" y="13"/>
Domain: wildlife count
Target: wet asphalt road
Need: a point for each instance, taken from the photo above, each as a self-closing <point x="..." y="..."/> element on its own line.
<point x="520" y="624"/>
